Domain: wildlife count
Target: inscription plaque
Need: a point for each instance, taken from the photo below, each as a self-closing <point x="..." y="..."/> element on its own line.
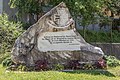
<point x="59" y="41"/>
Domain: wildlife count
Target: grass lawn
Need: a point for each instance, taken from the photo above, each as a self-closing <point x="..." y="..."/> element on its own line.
<point x="110" y="74"/>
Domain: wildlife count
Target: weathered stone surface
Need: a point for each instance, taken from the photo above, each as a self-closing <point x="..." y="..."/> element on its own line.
<point x="55" y="39"/>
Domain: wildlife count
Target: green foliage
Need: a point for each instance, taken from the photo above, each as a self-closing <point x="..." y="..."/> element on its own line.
<point x="58" y="67"/>
<point x="22" y="68"/>
<point x="26" y="6"/>
<point x="101" y="36"/>
<point x="112" y="61"/>
<point x="88" y="67"/>
<point x="7" y="62"/>
<point x="9" y="31"/>
<point x="89" y="10"/>
<point x="113" y="5"/>
<point x="4" y="56"/>
<point x="85" y="12"/>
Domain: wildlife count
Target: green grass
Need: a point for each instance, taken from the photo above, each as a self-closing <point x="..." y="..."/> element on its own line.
<point x="111" y="74"/>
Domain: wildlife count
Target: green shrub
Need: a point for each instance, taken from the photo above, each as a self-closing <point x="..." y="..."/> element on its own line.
<point x="58" y="67"/>
<point x="22" y="68"/>
<point x="9" y="31"/>
<point x="88" y="67"/>
<point x="7" y="62"/>
<point x="112" y="61"/>
<point x="4" y="56"/>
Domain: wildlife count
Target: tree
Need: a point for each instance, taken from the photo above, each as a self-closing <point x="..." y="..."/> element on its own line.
<point x="85" y="11"/>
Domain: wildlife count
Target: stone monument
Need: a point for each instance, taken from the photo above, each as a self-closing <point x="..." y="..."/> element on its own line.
<point x="55" y="39"/>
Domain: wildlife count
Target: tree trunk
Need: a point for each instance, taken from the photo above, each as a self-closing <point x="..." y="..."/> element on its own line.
<point x="84" y="31"/>
<point x="111" y="41"/>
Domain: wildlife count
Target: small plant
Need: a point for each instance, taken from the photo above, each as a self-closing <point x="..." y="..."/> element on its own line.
<point x="22" y="67"/>
<point x="7" y="62"/>
<point x="58" y="67"/>
<point x="88" y="67"/>
<point x="112" y="61"/>
<point x="74" y="64"/>
<point x="41" y="65"/>
<point x="4" y="56"/>
<point x="100" y="64"/>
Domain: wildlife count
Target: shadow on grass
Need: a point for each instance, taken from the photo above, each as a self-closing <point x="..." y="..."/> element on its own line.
<point x="92" y="72"/>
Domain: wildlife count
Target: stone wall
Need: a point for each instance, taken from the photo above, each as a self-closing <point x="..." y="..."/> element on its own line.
<point x="110" y="48"/>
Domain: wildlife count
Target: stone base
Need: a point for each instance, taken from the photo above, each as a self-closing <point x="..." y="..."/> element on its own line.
<point x="56" y="57"/>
